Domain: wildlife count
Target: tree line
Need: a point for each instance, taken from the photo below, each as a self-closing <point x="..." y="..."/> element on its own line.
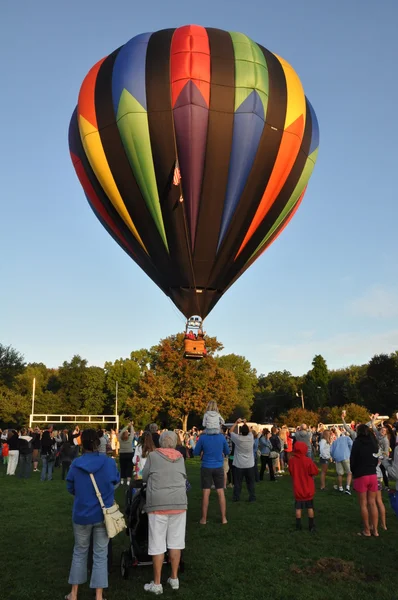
<point x="159" y="384"/>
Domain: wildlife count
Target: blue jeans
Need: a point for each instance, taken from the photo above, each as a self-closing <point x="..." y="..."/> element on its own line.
<point x="78" y="570"/>
<point x="47" y="468"/>
<point x="25" y="465"/>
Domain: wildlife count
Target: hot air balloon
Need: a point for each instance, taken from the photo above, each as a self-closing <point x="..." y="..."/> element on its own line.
<point x="194" y="147"/>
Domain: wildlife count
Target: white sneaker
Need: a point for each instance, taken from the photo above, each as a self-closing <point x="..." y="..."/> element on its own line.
<point x="174" y="583"/>
<point x="155" y="588"/>
<point x="122" y="482"/>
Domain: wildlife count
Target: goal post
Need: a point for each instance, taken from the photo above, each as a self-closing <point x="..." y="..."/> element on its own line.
<point x="59" y="419"/>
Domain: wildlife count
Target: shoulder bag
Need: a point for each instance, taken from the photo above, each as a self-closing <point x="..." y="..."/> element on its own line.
<point x="113" y="518"/>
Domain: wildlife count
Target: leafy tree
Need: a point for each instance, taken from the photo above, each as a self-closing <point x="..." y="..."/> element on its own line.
<point x="126" y="373"/>
<point x="24" y="381"/>
<point x="345" y="385"/>
<point x="93" y="392"/>
<point x="381" y="385"/>
<point x="315" y="386"/>
<point x="297" y="416"/>
<point x="14" y="408"/>
<point x="246" y="378"/>
<point x="276" y="392"/>
<point x="185" y="386"/>
<point x="12" y="364"/>
<point x="355" y="412"/>
<point x="142" y="358"/>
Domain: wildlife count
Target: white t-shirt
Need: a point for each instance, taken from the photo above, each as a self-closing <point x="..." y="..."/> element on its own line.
<point x="243" y="453"/>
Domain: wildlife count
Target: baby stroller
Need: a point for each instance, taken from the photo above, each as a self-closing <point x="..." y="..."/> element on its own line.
<point x="137" y="530"/>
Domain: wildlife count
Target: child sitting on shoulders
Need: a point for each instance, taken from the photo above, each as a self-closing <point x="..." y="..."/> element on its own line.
<point x="212" y="420"/>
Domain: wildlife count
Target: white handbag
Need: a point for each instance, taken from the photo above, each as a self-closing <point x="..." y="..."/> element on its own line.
<point x="113" y="518"/>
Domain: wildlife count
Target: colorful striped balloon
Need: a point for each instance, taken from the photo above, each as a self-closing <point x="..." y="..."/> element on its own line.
<point x="194" y="147"/>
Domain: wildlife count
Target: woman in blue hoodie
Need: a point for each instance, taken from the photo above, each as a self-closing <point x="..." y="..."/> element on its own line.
<point x="87" y="513"/>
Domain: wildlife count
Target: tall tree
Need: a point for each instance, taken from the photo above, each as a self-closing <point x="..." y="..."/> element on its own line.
<point x="125" y="372"/>
<point x="72" y="377"/>
<point x="315" y="386"/>
<point x="381" y="386"/>
<point x="12" y="364"/>
<point x="276" y="393"/>
<point x="186" y="386"/>
<point x="246" y="378"/>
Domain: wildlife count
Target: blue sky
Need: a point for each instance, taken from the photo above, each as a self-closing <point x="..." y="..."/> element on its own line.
<point x="329" y="283"/>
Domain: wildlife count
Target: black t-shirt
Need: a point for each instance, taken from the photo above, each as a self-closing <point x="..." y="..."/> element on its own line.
<point x="156" y="437"/>
<point x="36" y="442"/>
<point x="25" y="447"/>
<point x="13" y="442"/>
<point x="46" y="442"/>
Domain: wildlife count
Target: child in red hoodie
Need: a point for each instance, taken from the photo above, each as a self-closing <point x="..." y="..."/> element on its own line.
<point x="303" y="469"/>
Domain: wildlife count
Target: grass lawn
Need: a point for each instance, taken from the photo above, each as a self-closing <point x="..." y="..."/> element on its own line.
<point x="258" y="553"/>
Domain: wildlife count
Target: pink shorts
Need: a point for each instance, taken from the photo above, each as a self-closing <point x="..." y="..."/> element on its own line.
<point x="367" y="483"/>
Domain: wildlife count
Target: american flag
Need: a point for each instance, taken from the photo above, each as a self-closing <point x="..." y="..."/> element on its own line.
<point x="177" y="173"/>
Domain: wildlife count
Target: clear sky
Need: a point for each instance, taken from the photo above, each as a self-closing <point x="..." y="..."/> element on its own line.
<point x="328" y="285"/>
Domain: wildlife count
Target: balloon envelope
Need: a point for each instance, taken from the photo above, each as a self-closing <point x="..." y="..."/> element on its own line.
<point x="194" y="147"/>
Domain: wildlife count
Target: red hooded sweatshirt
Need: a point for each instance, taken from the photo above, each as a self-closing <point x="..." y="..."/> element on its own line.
<point x="302" y="469"/>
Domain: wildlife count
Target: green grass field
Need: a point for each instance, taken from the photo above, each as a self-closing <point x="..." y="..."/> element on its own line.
<point x="258" y="554"/>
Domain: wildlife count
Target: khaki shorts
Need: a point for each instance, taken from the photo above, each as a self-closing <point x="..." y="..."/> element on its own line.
<point x="226" y="466"/>
<point x="343" y="467"/>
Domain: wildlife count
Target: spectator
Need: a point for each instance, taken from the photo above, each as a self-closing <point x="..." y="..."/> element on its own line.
<point x="350" y="429"/>
<point x="25" y="454"/>
<point x="66" y="456"/>
<point x="47" y="454"/>
<point x="145" y="446"/>
<point x="102" y="442"/>
<point x="153" y="428"/>
<point x="213" y="449"/>
<point x="265" y="447"/>
<point x="4" y="452"/>
<point x="230" y="472"/>
<point x="276" y="444"/>
<point x="13" y="452"/>
<point x="166" y="505"/>
<point x="304" y="435"/>
<point x="243" y="461"/>
<point x="126" y="437"/>
<point x="303" y="470"/>
<point x="324" y="456"/>
<point x="36" y="444"/>
<point x="340" y="451"/>
<point x="255" y="449"/>
<point x="363" y="463"/>
<point x="87" y="514"/>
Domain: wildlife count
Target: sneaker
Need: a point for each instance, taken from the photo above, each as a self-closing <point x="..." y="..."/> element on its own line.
<point x="173" y="583"/>
<point x="122" y="483"/>
<point x="154" y="588"/>
<point x="347" y="491"/>
<point x="338" y="489"/>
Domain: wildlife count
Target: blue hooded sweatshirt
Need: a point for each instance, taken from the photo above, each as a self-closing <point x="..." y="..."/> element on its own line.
<point x="86" y="507"/>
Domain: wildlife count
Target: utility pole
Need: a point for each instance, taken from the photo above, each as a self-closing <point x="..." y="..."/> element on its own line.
<point x="302" y="397"/>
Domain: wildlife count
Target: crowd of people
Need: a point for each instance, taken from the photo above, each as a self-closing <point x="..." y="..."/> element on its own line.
<point x="362" y="453"/>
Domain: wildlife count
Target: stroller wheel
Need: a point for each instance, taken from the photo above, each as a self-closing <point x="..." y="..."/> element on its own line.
<point x="124" y="564"/>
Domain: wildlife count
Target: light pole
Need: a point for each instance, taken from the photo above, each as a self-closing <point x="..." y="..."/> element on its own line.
<point x="301" y="395"/>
